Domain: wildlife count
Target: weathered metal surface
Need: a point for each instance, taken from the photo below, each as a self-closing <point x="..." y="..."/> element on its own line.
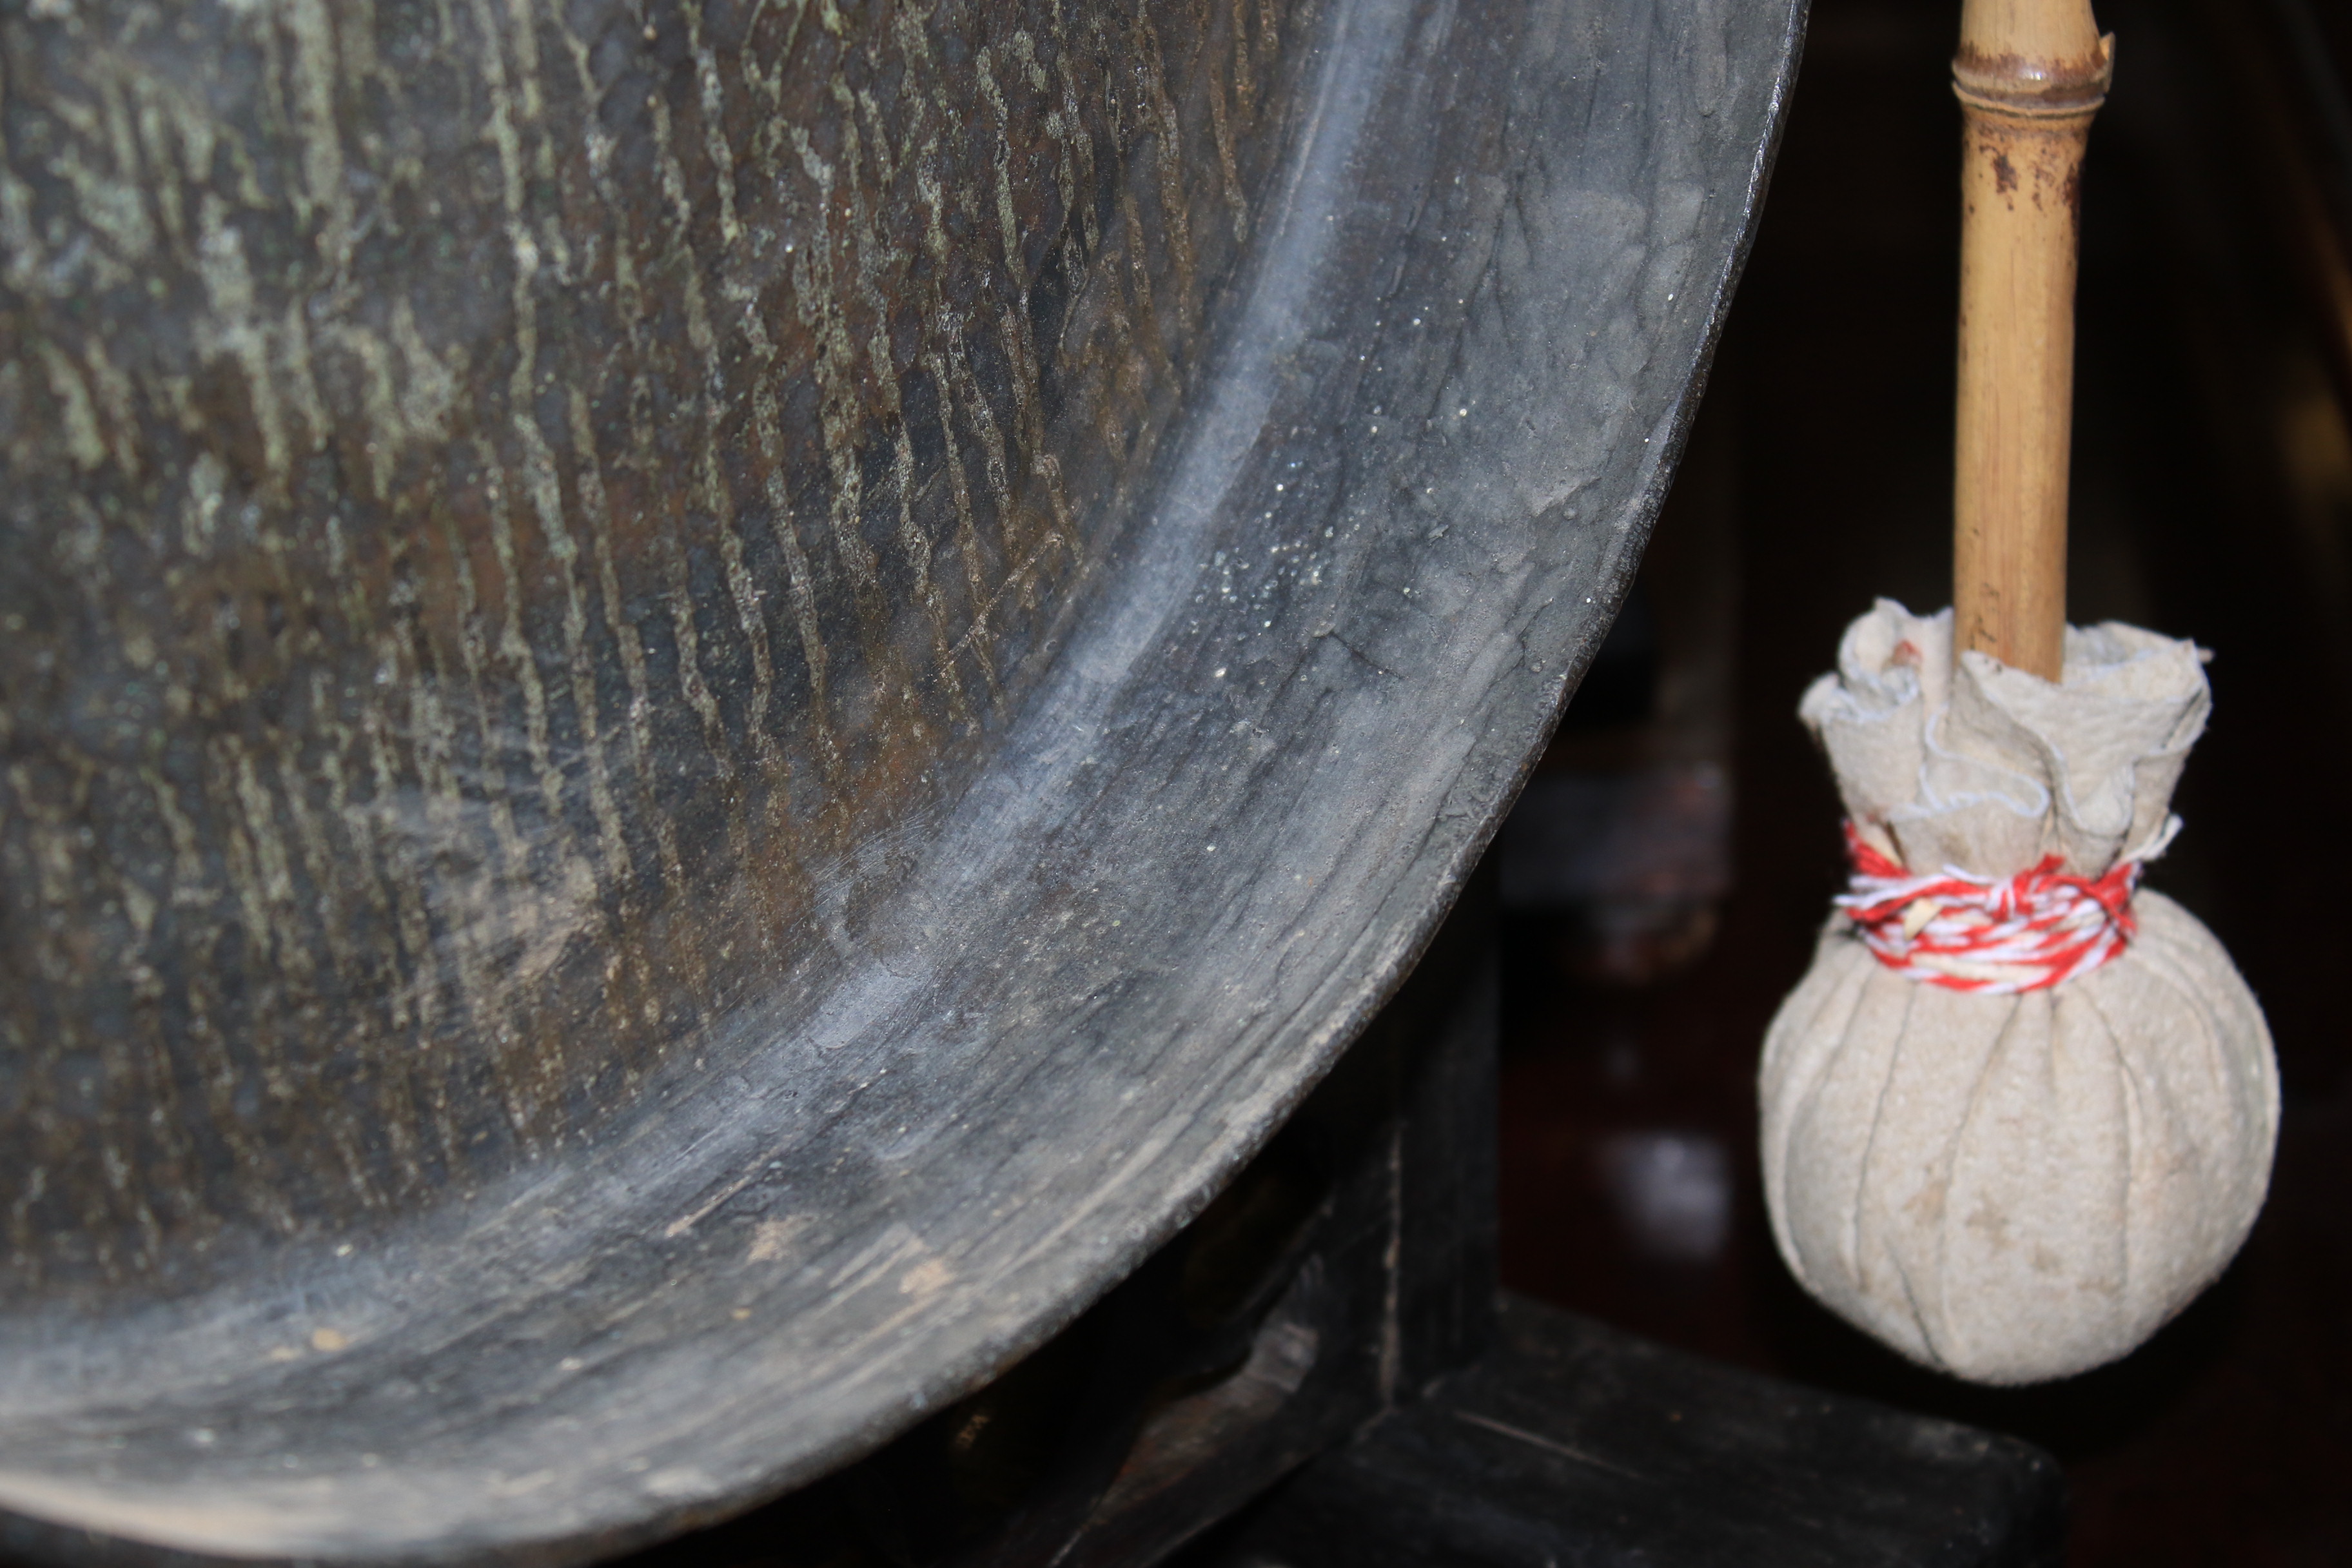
<point x="1341" y="1273"/>
<point x="510" y="502"/>
<point x="701" y="707"/>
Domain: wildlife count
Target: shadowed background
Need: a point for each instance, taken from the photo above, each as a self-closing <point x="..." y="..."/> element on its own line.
<point x="2213" y="500"/>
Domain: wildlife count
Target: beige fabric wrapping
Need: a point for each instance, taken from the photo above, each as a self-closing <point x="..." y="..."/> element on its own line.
<point x="2015" y="1188"/>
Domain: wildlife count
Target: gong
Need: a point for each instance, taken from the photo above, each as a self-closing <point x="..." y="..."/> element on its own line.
<point x="704" y="706"/>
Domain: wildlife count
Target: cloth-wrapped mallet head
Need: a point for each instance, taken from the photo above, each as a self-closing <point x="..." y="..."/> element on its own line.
<point x="2016" y="1115"/>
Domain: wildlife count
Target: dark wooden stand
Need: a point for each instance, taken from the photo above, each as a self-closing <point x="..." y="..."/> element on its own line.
<point x="1571" y="1443"/>
<point x="1317" y="1372"/>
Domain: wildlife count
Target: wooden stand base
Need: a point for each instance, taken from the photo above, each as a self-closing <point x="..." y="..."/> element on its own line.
<point x="1573" y="1443"/>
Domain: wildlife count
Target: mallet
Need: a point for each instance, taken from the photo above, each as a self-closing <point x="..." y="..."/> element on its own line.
<point x="2019" y="1112"/>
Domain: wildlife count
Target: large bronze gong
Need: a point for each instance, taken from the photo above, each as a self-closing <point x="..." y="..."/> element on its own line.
<point x="703" y="705"/>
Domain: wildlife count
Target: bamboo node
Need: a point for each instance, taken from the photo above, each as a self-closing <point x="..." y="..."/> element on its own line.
<point x="2034" y="89"/>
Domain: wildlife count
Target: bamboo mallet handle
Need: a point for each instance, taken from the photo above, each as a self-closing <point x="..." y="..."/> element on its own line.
<point x="2030" y="74"/>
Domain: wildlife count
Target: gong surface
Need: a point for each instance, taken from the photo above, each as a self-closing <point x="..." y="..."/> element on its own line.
<point x="702" y="708"/>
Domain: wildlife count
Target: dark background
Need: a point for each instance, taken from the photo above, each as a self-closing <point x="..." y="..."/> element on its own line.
<point x="2213" y="500"/>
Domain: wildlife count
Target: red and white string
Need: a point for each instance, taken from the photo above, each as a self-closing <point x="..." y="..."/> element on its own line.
<point x="1994" y="936"/>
